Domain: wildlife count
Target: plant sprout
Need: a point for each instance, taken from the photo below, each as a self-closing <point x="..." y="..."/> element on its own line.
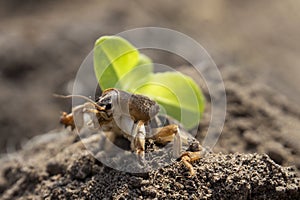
<point x="118" y="64"/>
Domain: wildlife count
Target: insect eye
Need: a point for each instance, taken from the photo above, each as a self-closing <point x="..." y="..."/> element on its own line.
<point x="108" y="106"/>
<point x="105" y="102"/>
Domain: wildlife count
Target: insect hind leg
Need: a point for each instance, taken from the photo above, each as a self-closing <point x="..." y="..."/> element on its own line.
<point x="168" y="134"/>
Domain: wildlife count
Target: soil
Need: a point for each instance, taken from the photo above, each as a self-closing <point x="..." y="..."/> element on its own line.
<point x="58" y="166"/>
<point x="254" y="45"/>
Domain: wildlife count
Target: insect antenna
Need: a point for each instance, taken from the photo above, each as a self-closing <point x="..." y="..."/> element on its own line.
<point x="79" y="96"/>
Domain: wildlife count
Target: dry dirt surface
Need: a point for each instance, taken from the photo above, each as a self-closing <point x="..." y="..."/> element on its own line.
<point x="58" y="166"/>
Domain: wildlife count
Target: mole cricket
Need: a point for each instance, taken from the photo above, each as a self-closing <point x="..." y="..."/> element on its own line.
<point x="136" y="118"/>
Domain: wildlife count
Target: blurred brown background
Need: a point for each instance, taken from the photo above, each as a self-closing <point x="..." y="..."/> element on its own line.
<point x="42" y="44"/>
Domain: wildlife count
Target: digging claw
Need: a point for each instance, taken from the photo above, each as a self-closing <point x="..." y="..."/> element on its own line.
<point x="188" y="157"/>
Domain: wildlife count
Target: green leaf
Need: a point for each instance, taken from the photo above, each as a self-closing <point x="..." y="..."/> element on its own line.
<point x="144" y="60"/>
<point x="114" y="57"/>
<point x="178" y="94"/>
<point x="135" y="78"/>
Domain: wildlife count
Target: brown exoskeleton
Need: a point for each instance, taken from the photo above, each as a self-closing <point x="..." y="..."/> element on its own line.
<point x="136" y="118"/>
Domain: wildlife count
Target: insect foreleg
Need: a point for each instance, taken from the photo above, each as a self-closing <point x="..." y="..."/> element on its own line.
<point x="77" y="116"/>
<point x="138" y="141"/>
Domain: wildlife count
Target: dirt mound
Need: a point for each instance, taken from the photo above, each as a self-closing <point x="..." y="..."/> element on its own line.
<point x="58" y="166"/>
<point x="231" y="176"/>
